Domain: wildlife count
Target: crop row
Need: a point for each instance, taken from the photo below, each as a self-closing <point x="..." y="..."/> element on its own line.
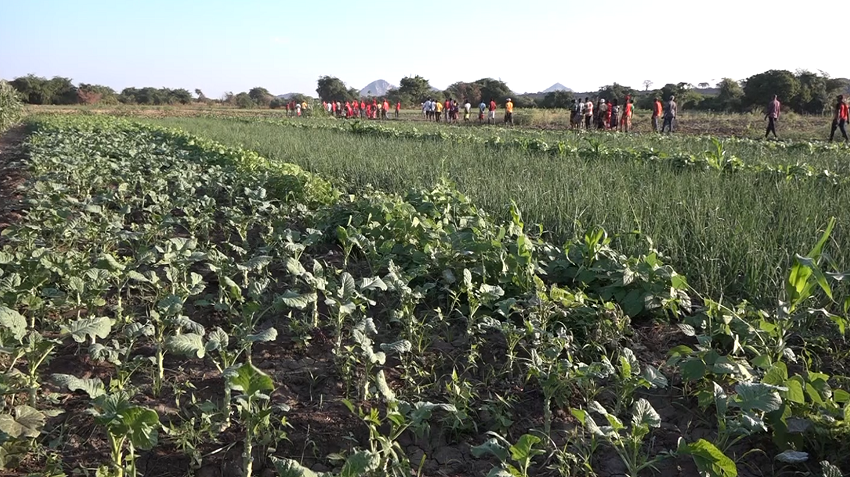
<point x="190" y="258"/>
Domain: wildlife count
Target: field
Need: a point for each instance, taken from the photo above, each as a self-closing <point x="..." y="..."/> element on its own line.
<point x="236" y="296"/>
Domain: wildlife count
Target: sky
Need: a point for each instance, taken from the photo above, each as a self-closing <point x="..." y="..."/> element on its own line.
<point x="286" y="45"/>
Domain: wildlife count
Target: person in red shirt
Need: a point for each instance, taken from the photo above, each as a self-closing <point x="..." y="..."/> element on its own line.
<point x="386" y="111"/>
<point x="839" y="119"/>
<point x="397" y="108"/>
<point x="333" y="107"/>
<point x="657" y="110"/>
<point x="362" y="108"/>
<point x="492" y="112"/>
<point x="626" y="120"/>
<point x="368" y="111"/>
<point x="347" y="110"/>
<point x="447" y="108"/>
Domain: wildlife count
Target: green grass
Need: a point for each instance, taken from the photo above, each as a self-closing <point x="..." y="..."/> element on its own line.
<point x="731" y="235"/>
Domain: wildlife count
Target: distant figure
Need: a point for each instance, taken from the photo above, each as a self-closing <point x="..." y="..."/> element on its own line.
<point x="669" y="115"/>
<point x="628" y="109"/>
<point x="575" y="114"/>
<point x="481" y="108"/>
<point x="448" y="109"/>
<point x="397" y="108"/>
<point x="439" y="111"/>
<point x="386" y="110"/>
<point x="588" y="113"/>
<point x="657" y="111"/>
<point x="467" y="108"/>
<point x="839" y="119"/>
<point x="614" y="115"/>
<point x="492" y="112"/>
<point x="602" y="115"/>
<point x="772" y="115"/>
<point x="455" y="110"/>
<point x="509" y="112"/>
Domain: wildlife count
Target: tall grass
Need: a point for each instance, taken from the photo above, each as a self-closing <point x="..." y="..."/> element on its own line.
<point x="731" y="235"/>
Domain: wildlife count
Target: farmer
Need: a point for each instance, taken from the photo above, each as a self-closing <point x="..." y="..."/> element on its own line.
<point x="614" y="115"/>
<point x="602" y="115"/>
<point x="439" y="111"/>
<point x="386" y="109"/>
<point x="575" y="116"/>
<point x="448" y="109"/>
<point x="467" y="108"/>
<point x="628" y="109"/>
<point x="481" y="108"/>
<point x="839" y="119"/>
<point x="669" y="115"/>
<point x="657" y="110"/>
<point x="588" y="113"/>
<point x="492" y="116"/>
<point x="772" y="115"/>
<point x="397" y="108"/>
<point x="362" y="109"/>
<point x="509" y="112"/>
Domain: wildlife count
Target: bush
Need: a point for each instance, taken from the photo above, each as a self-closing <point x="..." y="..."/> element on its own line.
<point x="11" y="108"/>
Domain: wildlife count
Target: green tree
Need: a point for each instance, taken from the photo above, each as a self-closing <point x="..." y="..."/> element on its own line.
<point x="730" y="95"/>
<point x="64" y="91"/>
<point x="261" y="96"/>
<point x="39" y="90"/>
<point x="462" y="90"/>
<point x="759" y="89"/>
<point x="333" y="89"/>
<point x="244" y="101"/>
<point x="494" y="89"/>
<point x="96" y="94"/>
<point x="558" y="99"/>
<point x="413" y="90"/>
<point x="180" y="95"/>
<point x="616" y="91"/>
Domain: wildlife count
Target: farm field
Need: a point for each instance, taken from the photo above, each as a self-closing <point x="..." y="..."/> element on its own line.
<point x="730" y="216"/>
<point x="171" y="305"/>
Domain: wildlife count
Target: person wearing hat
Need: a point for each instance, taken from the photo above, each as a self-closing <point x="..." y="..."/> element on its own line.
<point x="602" y="114"/>
<point x="669" y="115"/>
<point x="509" y="112"/>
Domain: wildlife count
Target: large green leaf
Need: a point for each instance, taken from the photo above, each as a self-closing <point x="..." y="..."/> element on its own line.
<point x="490" y="447"/>
<point x="83" y="328"/>
<point x="92" y="386"/>
<point x="757" y="396"/>
<point x="191" y="344"/>
<point x="645" y="414"/>
<point x="250" y="380"/>
<point x="710" y="461"/>
<point x="294" y="299"/>
<point x="258" y="262"/>
<point x="524" y="449"/>
<point x="142" y="425"/>
<point x="13" y="321"/>
<point x="26" y="422"/>
<point x="268" y="334"/>
<point x="793" y="457"/>
<point x="291" y="468"/>
<point x="359" y="464"/>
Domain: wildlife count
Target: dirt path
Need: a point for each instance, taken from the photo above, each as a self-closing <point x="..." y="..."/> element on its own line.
<point x="11" y="175"/>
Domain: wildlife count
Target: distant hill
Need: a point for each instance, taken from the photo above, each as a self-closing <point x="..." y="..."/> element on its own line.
<point x="556" y="87"/>
<point x="376" y="88"/>
<point x="285" y="96"/>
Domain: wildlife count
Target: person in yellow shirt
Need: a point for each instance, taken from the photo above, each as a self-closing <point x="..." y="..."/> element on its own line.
<point x="439" y="110"/>
<point x="509" y="112"/>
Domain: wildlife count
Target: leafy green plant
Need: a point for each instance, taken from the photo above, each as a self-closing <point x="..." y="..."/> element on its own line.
<point x="521" y="453"/>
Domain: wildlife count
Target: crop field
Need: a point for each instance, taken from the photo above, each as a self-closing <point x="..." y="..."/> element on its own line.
<point x="224" y="297"/>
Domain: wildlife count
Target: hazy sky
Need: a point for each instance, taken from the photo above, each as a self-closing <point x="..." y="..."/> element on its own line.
<point x="285" y="45"/>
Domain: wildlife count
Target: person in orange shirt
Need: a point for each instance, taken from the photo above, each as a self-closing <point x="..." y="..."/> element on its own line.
<point x="492" y="108"/>
<point x="509" y="112"/>
<point x="657" y="109"/>
<point x="362" y="108"/>
<point x="386" y="110"/>
<point x="626" y="120"/>
<point x="839" y="119"/>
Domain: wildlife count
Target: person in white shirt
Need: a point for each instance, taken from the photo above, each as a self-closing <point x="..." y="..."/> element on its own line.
<point x="467" y="107"/>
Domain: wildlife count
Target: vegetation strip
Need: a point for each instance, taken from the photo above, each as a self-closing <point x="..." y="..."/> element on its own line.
<point x="427" y="315"/>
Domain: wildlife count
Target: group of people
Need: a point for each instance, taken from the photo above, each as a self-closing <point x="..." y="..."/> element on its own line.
<point x="363" y="109"/>
<point x="607" y="115"/>
<point x="449" y="110"/>
<point x="294" y="107"/>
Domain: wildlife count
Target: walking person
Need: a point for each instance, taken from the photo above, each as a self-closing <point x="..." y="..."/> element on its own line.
<point x="772" y="115"/>
<point x="657" y="111"/>
<point x="602" y="115"/>
<point x="439" y="111"/>
<point x="839" y="118"/>
<point x="614" y="115"/>
<point x="509" y="112"/>
<point x="575" y="116"/>
<point x="492" y="112"/>
<point x="669" y="115"/>
<point x="481" y="108"/>
<point x="448" y="109"/>
<point x="588" y="113"/>
<point x="467" y="108"/>
<point x="397" y="108"/>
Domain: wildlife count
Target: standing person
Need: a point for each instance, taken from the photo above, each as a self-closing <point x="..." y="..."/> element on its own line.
<point x="669" y="115"/>
<point x="614" y="115"/>
<point x="588" y="113"/>
<point x="481" y="108"/>
<point x="439" y="111"/>
<point x="657" y="111"/>
<point x="492" y="116"/>
<point x="426" y="109"/>
<point x="772" y="115"/>
<point x="467" y="108"/>
<point x="628" y="109"/>
<point x="448" y="109"/>
<point x="602" y="115"/>
<point x="575" y="114"/>
<point x="839" y="118"/>
<point x="397" y="108"/>
<point x="455" y="110"/>
<point x="509" y="112"/>
<point x="386" y="109"/>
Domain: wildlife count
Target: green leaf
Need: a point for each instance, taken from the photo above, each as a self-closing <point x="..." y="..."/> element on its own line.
<point x="142" y="424"/>
<point x="170" y="305"/>
<point x="383" y="387"/>
<point x="258" y="262"/>
<point x="26" y="422"/>
<point x="108" y="262"/>
<point x="359" y="464"/>
<point x="490" y="447"/>
<point x="757" y="396"/>
<point x="372" y="283"/>
<point x="829" y="470"/>
<point x="793" y="457"/>
<point x="293" y="299"/>
<point x="191" y="344"/>
<point x="83" y="328"/>
<point x="291" y="468"/>
<point x="654" y="376"/>
<point x="524" y="449"/>
<point x="398" y="347"/>
<point x="14" y="322"/>
<point x="776" y="375"/>
<point x="217" y="339"/>
<point x="346" y="286"/>
<point x="294" y="267"/>
<point x="250" y="380"/>
<point x="92" y="386"/>
<point x="692" y="369"/>
<point x="795" y="392"/>
<point x="268" y="334"/>
<point x="644" y="414"/>
<point x="709" y="459"/>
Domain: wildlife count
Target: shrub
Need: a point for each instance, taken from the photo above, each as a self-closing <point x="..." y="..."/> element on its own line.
<point x="11" y="108"/>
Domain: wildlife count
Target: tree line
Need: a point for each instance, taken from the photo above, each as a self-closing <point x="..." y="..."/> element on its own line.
<point x="801" y="91"/>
